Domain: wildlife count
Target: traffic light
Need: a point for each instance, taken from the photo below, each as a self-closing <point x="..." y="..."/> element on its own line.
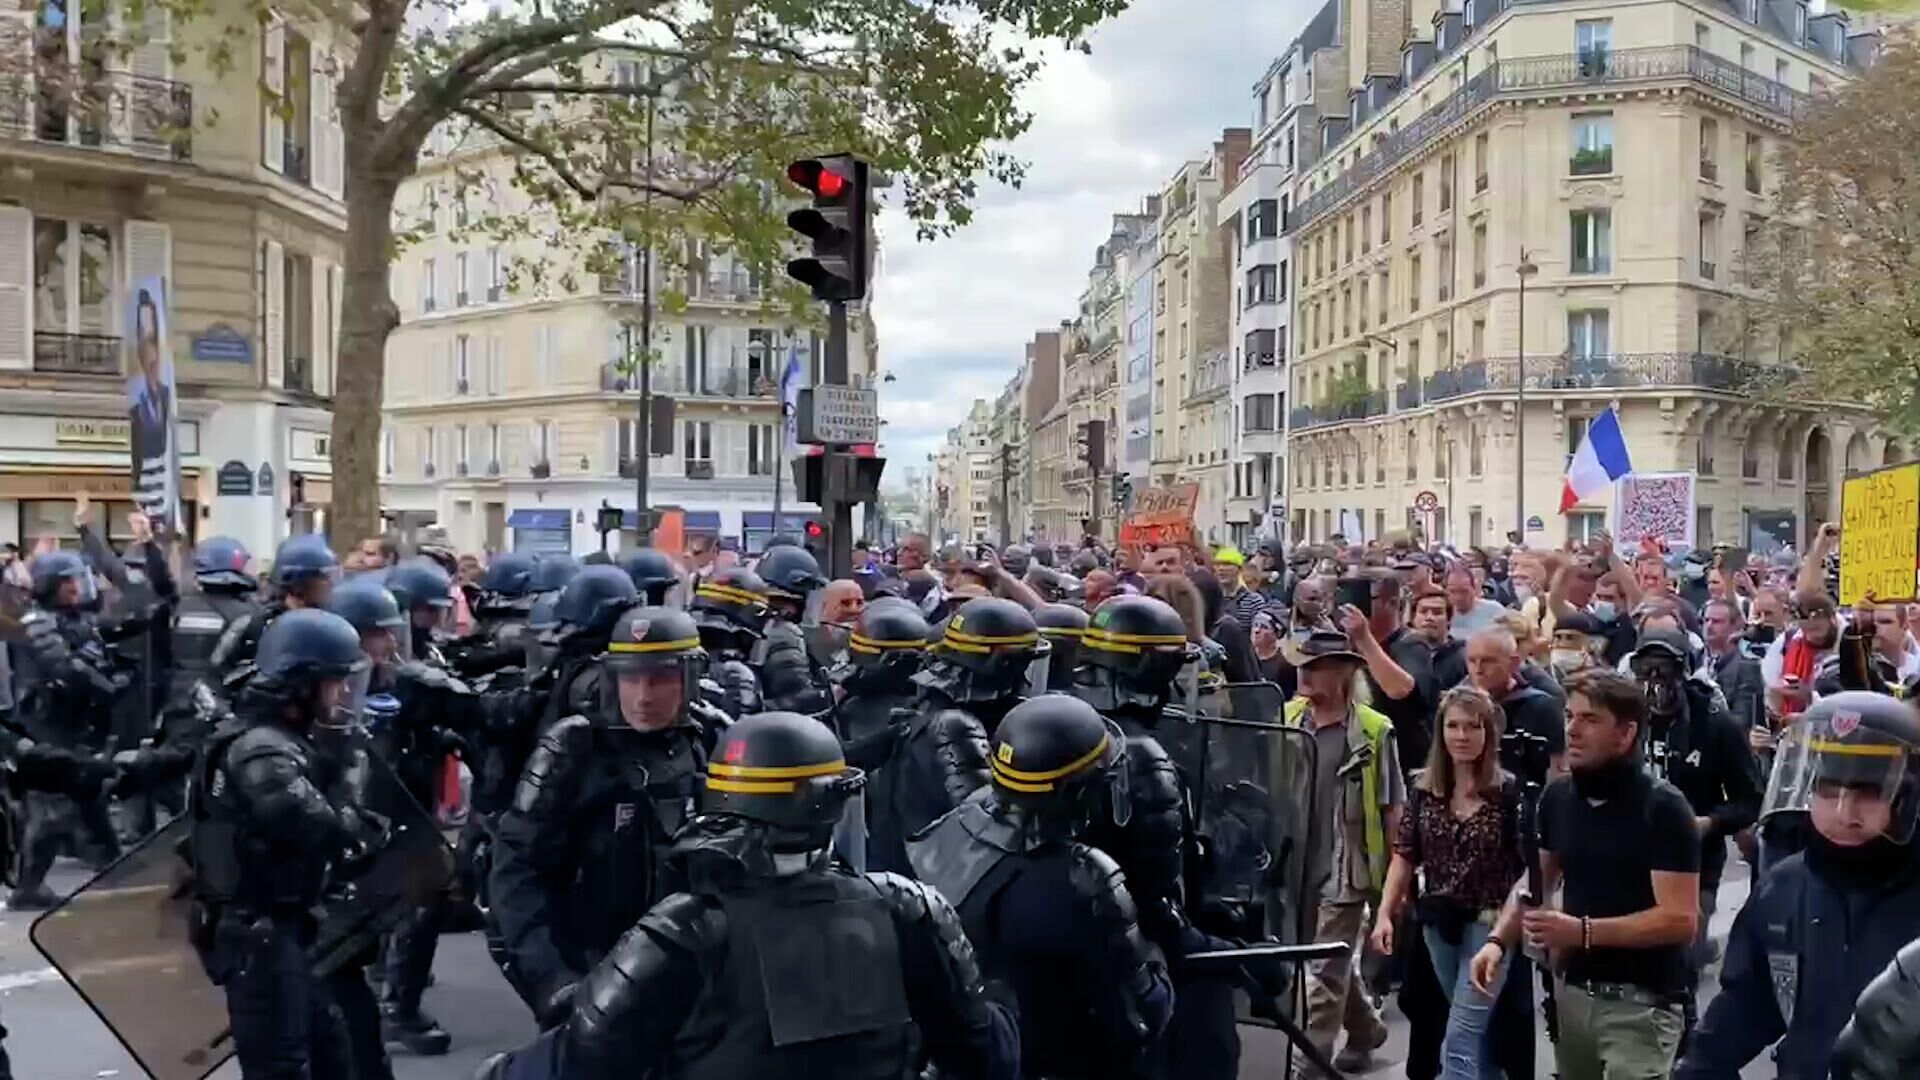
<point x="816" y="531"/>
<point x="836" y="224"/>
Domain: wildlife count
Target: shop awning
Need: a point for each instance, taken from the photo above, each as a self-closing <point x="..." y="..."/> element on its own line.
<point x="697" y="520"/>
<point x="550" y="519"/>
<point x="762" y="519"/>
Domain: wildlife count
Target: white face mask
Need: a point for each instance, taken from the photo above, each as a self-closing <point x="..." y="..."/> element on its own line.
<point x="1522" y="591"/>
<point x="1568" y="659"/>
<point x="1603" y="610"/>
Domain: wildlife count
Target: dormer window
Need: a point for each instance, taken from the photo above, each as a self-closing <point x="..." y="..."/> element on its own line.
<point x="1753" y="11"/>
<point x="1799" y="23"/>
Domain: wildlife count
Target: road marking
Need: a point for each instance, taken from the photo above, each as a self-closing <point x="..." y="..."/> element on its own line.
<point x="20" y="980"/>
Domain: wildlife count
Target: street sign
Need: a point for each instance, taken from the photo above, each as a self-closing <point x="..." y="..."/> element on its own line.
<point x="234" y="478"/>
<point x="838" y="415"/>
<point x="1534" y="524"/>
<point x="1426" y="502"/>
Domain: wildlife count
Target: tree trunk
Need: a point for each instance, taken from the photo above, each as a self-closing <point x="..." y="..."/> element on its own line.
<point x="367" y="316"/>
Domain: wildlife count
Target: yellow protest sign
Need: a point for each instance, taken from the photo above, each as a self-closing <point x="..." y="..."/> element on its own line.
<point x="1880" y="534"/>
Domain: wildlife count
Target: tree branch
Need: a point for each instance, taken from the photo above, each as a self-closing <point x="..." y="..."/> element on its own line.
<point x="520" y="140"/>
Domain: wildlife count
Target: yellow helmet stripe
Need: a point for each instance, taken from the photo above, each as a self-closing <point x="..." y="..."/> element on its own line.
<point x="1062" y="631"/>
<point x="867" y="644"/>
<point x="727" y="592"/>
<point x="676" y="645"/>
<point x="1071" y="767"/>
<point x="1825" y="746"/>
<point x="1104" y="645"/>
<point x="1136" y="639"/>
<point x="1015" y="785"/>
<point x="777" y="772"/>
<point x="977" y="639"/>
<point x="752" y="787"/>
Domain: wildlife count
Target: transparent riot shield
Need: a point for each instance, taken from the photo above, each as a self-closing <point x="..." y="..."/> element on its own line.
<point x="1249" y="792"/>
<point x="121" y="940"/>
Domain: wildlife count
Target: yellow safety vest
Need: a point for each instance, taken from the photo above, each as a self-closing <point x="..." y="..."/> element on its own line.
<point x="1375" y="728"/>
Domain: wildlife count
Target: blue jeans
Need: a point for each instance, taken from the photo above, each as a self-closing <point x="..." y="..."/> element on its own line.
<point x="1463" y="1051"/>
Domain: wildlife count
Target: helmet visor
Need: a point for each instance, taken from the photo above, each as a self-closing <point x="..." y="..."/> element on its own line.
<point x="850" y="834"/>
<point x="1851" y="781"/>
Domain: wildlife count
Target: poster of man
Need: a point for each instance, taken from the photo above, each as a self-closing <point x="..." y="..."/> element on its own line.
<point x="150" y="406"/>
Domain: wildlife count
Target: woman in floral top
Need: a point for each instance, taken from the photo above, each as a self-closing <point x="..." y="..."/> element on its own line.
<point x="1462" y="829"/>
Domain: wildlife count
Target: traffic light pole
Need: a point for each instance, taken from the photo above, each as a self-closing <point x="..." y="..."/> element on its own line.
<point x="643" y="429"/>
<point x="837" y="507"/>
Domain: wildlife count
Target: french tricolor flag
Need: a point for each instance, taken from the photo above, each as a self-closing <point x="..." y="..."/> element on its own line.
<point x="1601" y="460"/>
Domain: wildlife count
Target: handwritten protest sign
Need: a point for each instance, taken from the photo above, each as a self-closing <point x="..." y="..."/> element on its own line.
<point x="1880" y="534"/>
<point x="1162" y="517"/>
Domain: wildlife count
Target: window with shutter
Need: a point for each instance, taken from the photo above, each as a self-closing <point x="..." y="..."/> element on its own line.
<point x="322" y="327"/>
<point x="273" y="81"/>
<point x="16" y="287"/>
<point x="143" y="114"/>
<point x="274" y="274"/>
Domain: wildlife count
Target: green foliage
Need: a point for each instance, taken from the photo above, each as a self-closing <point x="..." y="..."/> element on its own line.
<point x="1349" y="389"/>
<point x="1836" y="274"/>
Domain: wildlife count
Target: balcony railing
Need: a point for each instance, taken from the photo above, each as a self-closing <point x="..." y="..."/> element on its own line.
<point x="110" y="111"/>
<point x="76" y="354"/>
<point x="1312" y="416"/>
<point x="295" y="166"/>
<point x="1407" y="396"/>
<point x="724" y="383"/>
<point x="1709" y="169"/>
<point x="1528" y="75"/>
<point x="540" y="470"/>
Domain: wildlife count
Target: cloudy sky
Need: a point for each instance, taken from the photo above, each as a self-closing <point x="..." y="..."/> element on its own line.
<point x="954" y="315"/>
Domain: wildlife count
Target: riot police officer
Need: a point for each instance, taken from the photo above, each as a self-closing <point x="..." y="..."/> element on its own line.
<point x="775" y="962"/>
<point x="68" y="684"/>
<point x="973" y="674"/>
<point x="265" y="840"/>
<point x="388" y="616"/>
<point x="304" y="570"/>
<point x="1134" y="652"/>
<point x="578" y="855"/>
<point x="653" y="574"/>
<point x="1882" y="1041"/>
<point x="500" y="610"/>
<point x="587" y="610"/>
<point x="730" y="608"/>
<point x="886" y="648"/>
<point x="1047" y="914"/>
<point x="223" y="569"/>
<point x="789" y="679"/>
<point x="1063" y="625"/>
<point x="551" y="573"/>
<point x="1824" y="922"/>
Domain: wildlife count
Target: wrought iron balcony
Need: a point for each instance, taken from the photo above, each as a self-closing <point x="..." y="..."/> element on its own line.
<point x="540" y="470"/>
<point x="76" y="354"/>
<point x="114" y="111"/>
<point x="1526" y="76"/>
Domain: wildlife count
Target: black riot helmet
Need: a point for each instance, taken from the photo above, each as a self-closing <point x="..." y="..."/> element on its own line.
<point x="735" y="599"/>
<point x="306" y="567"/>
<point x="551" y="573"/>
<point x="223" y="564"/>
<point x="373" y="613"/>
<point x="890" y="633"/>
<point x="653" y="574"/>
<point x="53" y="568"/>
<point x="784" y="772"/>
<point x="1853" y="746"/>
<point x="423" y="590"/>
<point x="1017" y="558"/>
<point x="984" y="653"/>
<point x="594" y="599"/>
<point x="1133" y="650"/>
<point x="509" y="577"/>
<point x="1063" y="625"/>
<point x="1056" y="758"/>
<point x="302" y="651"/>
<point x="790" y="573"/>
<point x="654" y="661"/>
<point x="537" y="642"/>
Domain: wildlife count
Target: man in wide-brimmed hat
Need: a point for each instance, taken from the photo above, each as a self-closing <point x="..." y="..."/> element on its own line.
<point x="1355" y="759"/>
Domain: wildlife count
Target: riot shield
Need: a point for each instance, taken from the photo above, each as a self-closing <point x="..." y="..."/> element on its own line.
<point x="1249" y="794"/>
<point x="121" y="940"/>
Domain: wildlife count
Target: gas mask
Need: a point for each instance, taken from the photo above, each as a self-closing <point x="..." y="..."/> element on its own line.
<point x="1660" y="677"/>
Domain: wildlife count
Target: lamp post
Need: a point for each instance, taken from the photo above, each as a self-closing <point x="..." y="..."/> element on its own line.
<point x="1525" y="270"/>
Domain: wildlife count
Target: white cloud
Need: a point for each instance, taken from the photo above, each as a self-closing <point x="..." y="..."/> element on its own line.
<point x="954" y="315"/>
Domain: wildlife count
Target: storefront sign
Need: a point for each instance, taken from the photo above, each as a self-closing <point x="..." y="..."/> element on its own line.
<point x="88" y="431"/>
<point x="265" y="479"/>
<point x="222" y="344"/>
<point x="116" y="484"/>
<point x="234" y="479"/>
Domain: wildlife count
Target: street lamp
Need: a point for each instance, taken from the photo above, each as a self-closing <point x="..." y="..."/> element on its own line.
<point x="1525" y="270"/>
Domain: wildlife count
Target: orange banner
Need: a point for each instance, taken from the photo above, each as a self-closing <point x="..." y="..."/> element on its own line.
<point x="1161" y="517"/>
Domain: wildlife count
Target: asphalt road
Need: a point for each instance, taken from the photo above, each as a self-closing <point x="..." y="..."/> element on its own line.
<point x="53" y="1035"/>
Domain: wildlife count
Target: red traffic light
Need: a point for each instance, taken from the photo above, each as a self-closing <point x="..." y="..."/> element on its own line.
<point x="815" y="530"/>
<point x="817" y="178"/>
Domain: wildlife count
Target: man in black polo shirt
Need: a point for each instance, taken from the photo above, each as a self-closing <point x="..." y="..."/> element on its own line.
<point x="1627" y="848"/>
